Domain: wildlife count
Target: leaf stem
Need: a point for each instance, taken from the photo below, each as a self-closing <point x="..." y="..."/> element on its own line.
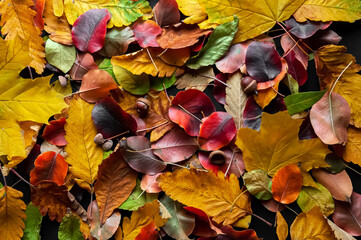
<point x="353" y="170"/>
<point x="260" y="218"/>
<point x="146" y="129"/>
<point x="146" y="188"/>
<point x="230" y="163"/>
<point x="291" y="209"/>
<point x="31" y="74"/>
<point x="292" y="38"/>
<point x="150" y="56"/>
<point x="235" y="200"/>
<point x="87" y="90"/>
<point x="166" y="93"/>
<point x="214" y="78"/>
<point x="19" y="176"/>
<point x="189" y="113"/>
<point x="120" y="134"/>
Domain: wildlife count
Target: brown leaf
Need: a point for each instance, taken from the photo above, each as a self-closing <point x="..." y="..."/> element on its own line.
<point x="282" y="227"/>
<point x="196" y="80"/>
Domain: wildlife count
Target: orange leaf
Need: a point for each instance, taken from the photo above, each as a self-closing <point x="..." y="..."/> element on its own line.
<point x="49" y="166"/>
<point x="148" y="232"/>
<point x="116" y="181"/>
<point x="287" y="184"/>
<point x="12" y="214"/>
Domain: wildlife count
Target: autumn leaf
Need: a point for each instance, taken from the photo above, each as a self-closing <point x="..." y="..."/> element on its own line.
<point x="279" y="144"/>
<point x="352" y="147"/>
<point x="193" y="9"/>
<point x="32" y="223"/>
<point x="84" y="155"/>
<point x="70" y="228"/>
<point x="282" y="227"/>
<point x="311" y="224"/>
<point x="116" y="181"/>
<point x="196" y="80"/>
<point x="12" y="214"/>
<point x="258" y="184"/>
<point x="215" y="195"/>
<point x="255" y="17"/>
<point x="60" y="56"/>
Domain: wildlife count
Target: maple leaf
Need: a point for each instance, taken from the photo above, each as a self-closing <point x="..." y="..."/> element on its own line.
<point x="277" y="145"/>
<point x="123" y="12"/>
<point x="215" y="195"/>
<point x="255" y="17"/>
<point x="84" y="155"/>
<point x="12" y="214"/>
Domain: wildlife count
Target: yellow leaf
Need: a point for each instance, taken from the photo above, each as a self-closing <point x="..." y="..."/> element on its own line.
<point x="140" y="62"/>
<point x="353" y="146"/>
<point x="12" y="214"/>
<point x="276" y="145"/>
<point x="143" y="216"/>
<point x="219" y="197"/>
<point x="330" y="61"/>
<point x="331" y="10"/>
<point x="58" y="7"/>
<point x="14" y="57"/>
<point x="282" y="227"/>
<point x="84" y="155"/>
<point x="255" y="16"/>
<point x="12" y="142"/>
<point x="311" y="225"/>
<point x="193" y="9"/>
<point x="18" y="20"/>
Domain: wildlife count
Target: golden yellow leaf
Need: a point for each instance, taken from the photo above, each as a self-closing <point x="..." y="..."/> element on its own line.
<point x="276" y="145"/>
<point x="12" y="142"/>
<point x="18" y="20"/>
<point x="140" y="62"/>
<point x="331" y="10"/>
<point x="12" y="214"/>
<point x="282" y="227"/>
<point x="84" y="155"/>
<point x="193" y="9"/>
<point x="217" y="196"/>
<point x="255" y="16"/>
<point x="143" y="216"/>
<point x="311" y="225"/>
<point x="14" y="56"/>
<point x="353" y="146"/>
<point x="330" y="61"/>
<point x="58" y="7"/>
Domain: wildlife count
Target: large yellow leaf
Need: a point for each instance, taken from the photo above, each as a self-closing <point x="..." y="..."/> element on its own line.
<point x="84" y="155"/>
<point x="255" y="16"/>
<point x="140" y="62"/>
<point x="331" y="10"/>
<point x="139" y="219"/>
<point x="18" y="20"/>
<point x="193" y="9"/>
<point x="12" y="214"/>
<point x="276" y="145"/>
<point x="217" y="196"/>
<point x="14" y="57"/>
<point x="311" y="225"/>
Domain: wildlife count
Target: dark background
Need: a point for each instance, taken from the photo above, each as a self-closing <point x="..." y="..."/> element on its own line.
<point x="351" y="38"/>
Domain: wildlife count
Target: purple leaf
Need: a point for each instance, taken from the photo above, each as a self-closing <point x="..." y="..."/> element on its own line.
<point x="296" y="68"/>
<point x="305" y="29"/>
<point x="166" y="12"/>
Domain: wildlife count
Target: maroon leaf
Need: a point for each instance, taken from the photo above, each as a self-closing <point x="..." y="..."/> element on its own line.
<point x="188" y="108"/>
<point x="348" y="216"/>
<point x="216" y="131"/>
<point x="84" y="62"/>
<point x="175" y="146"/>
<point x="228" y="233"/>
<point x="296" y="68"/>
<point x="110" y="119"/>
<point x="306" y="130"/>
<point x="234" y="58"/>
<point x="305" y="29"/>
<point x="138" y="154"/>
<point x="204" y="226"/>
<point x="263" y="62"/>
<point x="219" y="89"/>
<point x="288" y="44"/>
<point x="54" y="132"/>
<point x="146" y="32"/>
<point x="252" y="114"/>
<point x="166" y="12"/>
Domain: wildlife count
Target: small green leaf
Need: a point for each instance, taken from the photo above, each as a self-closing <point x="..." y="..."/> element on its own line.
<point x="69" y="228"/>
<point x="106" y="154"/>
<point x="133" y="202"/>
<point x="135" y="84"/>
<point x="298" y="102"/>
<point x="311" y="197"/>
<point x="291" y="83"/>
<point x="337" y="164"/>
<point x="106" y="65"/>
<point x="156" y="83"/>
<point x="258" y="184"/>
<point x="117" y="41"/>
<point x="59" y="55"/>
<point x="32" y="223"/>
<point x="218" y="43"/>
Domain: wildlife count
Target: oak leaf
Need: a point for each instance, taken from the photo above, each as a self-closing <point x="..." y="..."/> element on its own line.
<point x="215" y="195"/>
<point x="84" y="155"/>
<point x="277" y="145"/>
<point x="12" y="214"/>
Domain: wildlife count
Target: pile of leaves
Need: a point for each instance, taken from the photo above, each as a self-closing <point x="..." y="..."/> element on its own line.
<point x="85" y="104"/>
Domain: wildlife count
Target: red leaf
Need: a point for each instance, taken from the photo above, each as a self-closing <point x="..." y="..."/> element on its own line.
<point x="54" y="132"/>
<point x="296" y="68"/>
<point x="84" y="62"/>
<point x="38" y="19"/>
<point x="149" y="183"/>
<point x="231" y="234"/>
<point x="166" y="12"/>
<point x="89" y="30"/>
<point x="175" y="146"/>
<point x="216" y="131"/>
<point x="146" y="32"/>
<point x="148" y="232"/>
<point x="219" y="89"/>
<point x="289" y="45"/>
<point x="188" y="108"/>
<point x="203" y="227"/>
<point x="49" y="166"/>
<point x="234" y="58"/>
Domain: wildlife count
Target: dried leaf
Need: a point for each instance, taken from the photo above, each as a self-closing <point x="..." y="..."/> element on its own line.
<point x="196" y="80"/>
<point x="258" y="184"/>
<point x="193" y="9"/>
<point x="282" y="227"/>
<point x="352" y="147"/>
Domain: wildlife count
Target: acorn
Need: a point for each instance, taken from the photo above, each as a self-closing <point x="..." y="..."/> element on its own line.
<point x="99" y="139"/>
<point x="107" y="145"/>
<point x="217" y="157"/>
<point x="142" y="105"/>
<point x="63" y="81"/>
<point x="249" y="85"/>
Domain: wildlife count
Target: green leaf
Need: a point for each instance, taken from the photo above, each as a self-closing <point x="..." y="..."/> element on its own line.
<point x="311" y="197"/>
<point x="337" y="164"/>
<point x="258" y="184"/>
<point x="117" y="41"/>
<point x="32" y="223"/>
<point x="69" y="228"/>
<point x="134" y="201"/>
<point x="301" y="101"/>
<point x="135" y="84"/>
<point x="157" y="82"/>
<point x="218" y="43"/>
<point x="291" y="83"/>
<point x="59" y="55"/>
<point x="106" y="65"/>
